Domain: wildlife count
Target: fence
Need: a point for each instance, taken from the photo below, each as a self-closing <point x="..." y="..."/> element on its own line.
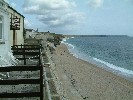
<point x="24" y="78"/>
<point x="26" y="52"/>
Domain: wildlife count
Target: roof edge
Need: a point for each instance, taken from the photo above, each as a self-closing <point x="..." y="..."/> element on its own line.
<point x="15" y="11"/>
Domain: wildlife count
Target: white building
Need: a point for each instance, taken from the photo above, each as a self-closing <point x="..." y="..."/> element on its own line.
<point x="19" y="34"/>
<point x="4" y="33"/>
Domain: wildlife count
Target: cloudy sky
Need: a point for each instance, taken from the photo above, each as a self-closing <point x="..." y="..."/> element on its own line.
<point x="110" y="17"/>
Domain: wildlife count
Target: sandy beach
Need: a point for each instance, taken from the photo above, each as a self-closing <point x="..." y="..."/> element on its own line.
<point x="83" y="81"/>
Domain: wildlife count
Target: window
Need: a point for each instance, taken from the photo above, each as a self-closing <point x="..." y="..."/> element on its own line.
<point x="1" y="27"/>
<point x="2" y="4"/>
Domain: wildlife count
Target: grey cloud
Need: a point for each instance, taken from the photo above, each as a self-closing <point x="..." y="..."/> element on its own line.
<point x="64" y="20"/>
<point x="47" y="17"/>
<point x="54" y="13"/>
<point x="44" y="6"/>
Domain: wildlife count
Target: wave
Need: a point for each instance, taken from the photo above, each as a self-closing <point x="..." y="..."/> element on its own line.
<point x="72" y="37"/>
<point x="63" y="40"/>
<point x="117" y="69"/>
<point x="122" y="72"/>
<point x="78" y="53"/>
<point x="70" y="46"/>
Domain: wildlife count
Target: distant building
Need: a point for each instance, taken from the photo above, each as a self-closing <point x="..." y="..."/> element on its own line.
<point x="29" y="30"/>
<point x="30" y="33"/>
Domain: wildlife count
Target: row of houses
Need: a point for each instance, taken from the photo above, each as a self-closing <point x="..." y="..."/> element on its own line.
<point x="11" y="31"/>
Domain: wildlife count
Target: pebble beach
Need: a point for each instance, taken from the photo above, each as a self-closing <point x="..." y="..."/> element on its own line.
<point x="81" y="80"/>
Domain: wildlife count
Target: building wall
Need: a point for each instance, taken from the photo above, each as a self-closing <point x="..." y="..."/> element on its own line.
<point x="19" y="33"/>
<point x="7" y="35"/>
<point x="4" y="42"/>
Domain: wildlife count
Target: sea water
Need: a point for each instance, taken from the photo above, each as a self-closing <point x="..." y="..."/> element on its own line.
<point x="113" y="53"/>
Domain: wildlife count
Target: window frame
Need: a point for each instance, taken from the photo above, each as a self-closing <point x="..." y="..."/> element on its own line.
<point x="2" y="21"/>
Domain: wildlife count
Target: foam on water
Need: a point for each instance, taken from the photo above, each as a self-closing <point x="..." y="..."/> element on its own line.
<point x="70" y="46"/>
<point x="78" y="52"/>
<point x="64" y="40"/>
<point x="116" y="68"/>
<point x="128" y="74"/>
<point x="72" y="37"/>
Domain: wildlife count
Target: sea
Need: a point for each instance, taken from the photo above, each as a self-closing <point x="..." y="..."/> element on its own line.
<point x="112" y="53"/>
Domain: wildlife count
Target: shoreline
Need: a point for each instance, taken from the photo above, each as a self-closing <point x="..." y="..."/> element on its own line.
<point x="83" y="80"/>
<point x="104" y="68"/>
<point x="119" y="71"/>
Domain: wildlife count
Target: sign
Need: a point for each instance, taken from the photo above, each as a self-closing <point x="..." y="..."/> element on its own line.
<point x="15" y="23"/>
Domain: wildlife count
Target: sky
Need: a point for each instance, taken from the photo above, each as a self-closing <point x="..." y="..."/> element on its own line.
<point x="81" y="17"/>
